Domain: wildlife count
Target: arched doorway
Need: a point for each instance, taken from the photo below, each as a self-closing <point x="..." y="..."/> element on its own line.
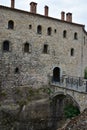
<point x="63" y="107"/>
<point x="56" y="74"/>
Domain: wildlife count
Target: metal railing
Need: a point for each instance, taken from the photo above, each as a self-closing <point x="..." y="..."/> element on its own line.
<point x="70" y="82"/>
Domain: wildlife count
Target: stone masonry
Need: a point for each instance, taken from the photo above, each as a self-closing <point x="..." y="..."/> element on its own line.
<point x="33" y="68"/>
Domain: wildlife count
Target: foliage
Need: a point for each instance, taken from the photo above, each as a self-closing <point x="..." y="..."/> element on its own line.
<point x="47" y="90"/>
<point x="22" y="102"/>
<point x="8" y="119"/>
<point x="31" y="92"/>
<point x="17" y="91"/>
<point x="85" y="73"/>
<point x="71" y="111"/>
<point x="3" y="93"/>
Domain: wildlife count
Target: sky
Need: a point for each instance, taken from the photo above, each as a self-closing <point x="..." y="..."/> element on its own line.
<point x="78" y="8"/>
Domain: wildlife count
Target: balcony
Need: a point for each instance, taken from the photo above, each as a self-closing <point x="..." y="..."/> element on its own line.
<point x="70" y="82"/>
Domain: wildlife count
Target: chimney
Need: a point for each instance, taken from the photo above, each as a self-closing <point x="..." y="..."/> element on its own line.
<point x="46" y="9"/>
<point x="63" y="15"/>
<point x="33" y="7"/>
<point x="69" y="17"/>
<point x="12" y="3"/>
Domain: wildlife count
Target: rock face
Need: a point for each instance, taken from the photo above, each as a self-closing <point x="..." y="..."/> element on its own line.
<point x="77" y="123"/>
<point x="27" y="109"/>
<point x="31" y="109"/>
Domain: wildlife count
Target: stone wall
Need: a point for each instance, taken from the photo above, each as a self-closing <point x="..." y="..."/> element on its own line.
<point x="35" y="66"/>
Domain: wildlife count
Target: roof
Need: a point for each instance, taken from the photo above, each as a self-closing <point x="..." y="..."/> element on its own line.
<point x="47" y="17"/>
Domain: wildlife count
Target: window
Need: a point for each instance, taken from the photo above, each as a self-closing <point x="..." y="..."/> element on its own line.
<point x="75" y="36"/>
<point x="6" y="45"/>
<point x="39" y="29"/>
<point x="72" y="52"/>
<point x="30" y="26"/>
<point x="10" y="24"/>
<point x="64" y="34"/>
<point x="26" y="47"/>
<point x="16" y="70"/>
<point x="45" y="49"/>
<point x="49" y="30"/>
<point x="84" y="40"/>
<point x="55" y="30"/>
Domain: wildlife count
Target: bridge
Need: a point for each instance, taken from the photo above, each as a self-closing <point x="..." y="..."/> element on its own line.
<point x="75" y="87"/>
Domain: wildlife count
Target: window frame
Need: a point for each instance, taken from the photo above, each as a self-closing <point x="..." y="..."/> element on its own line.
<point x="11" y="24"/>
<point x="6" y="46"/>
<point x="39" y="29"/>
<point x="76" y="36"/>
<point x="45" y="48"/>
<point x="72" y="52"/>
<point x="64" y="34"/>
<point x="49" y="31"/>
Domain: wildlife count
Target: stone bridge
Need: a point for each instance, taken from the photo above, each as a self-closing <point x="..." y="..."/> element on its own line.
<point x="74" y="90"/>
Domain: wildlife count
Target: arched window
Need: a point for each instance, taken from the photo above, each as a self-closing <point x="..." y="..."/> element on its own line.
<point x="10" y="24"/>
<point x="75" y="36"/>
<point x="64" y="34"/>
<point x="6" y="45"/>
<point x="45" y="49"/>
<point x="49" y="30"/>
<point x="26" y="47"/>
<point x="39" y="29"/>
<point x="72" y="52"/>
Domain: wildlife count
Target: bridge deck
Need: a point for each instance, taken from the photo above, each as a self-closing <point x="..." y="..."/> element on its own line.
<point x="73" y="83"/>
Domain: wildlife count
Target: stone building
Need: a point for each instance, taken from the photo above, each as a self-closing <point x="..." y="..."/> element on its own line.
<point x="35" y="47"/>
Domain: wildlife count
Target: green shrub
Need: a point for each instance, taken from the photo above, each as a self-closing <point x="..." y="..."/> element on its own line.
<point x="22" y="102"/>
<point x="71" y="111"/>
<point x="85" y="73"/>
<point x="3" y="93"/>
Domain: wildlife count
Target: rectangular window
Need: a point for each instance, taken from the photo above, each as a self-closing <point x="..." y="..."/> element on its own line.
<point x="45" y="49"/>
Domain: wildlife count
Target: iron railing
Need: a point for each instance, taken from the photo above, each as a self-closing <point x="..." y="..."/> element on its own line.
<point x="71" y="82"/>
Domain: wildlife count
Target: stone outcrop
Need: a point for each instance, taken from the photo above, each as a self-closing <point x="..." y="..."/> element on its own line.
<point x="77" y="123"/>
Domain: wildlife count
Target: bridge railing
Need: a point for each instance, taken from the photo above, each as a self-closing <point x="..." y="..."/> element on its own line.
<point x="71" y="82"/>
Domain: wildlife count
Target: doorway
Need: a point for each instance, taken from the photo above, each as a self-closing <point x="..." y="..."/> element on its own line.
<point x="56" y="74"/>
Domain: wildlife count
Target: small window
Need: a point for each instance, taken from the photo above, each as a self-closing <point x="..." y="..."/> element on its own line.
<point x="16" y="70"/>
<point x="72" y="52"/>
<point x="45" y="49"/>
<point x="30" y="26"/>
<point x="64" y="34"/>
<point x="10" y="24"/>
<point x="26" y="47"/>
<point x="55" y="30"/>
<point x="84" y="40"/>
<point x="75" y="36"/>
<point x="49" y="30"/>
<point x="6" y="45"/>
<point x="39" y="29"/>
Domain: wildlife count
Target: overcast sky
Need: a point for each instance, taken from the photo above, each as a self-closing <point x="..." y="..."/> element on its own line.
<point x="78" y="8"/>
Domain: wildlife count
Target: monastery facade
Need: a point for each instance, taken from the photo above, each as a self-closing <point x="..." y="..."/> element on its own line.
<point x="35" y="47"/>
